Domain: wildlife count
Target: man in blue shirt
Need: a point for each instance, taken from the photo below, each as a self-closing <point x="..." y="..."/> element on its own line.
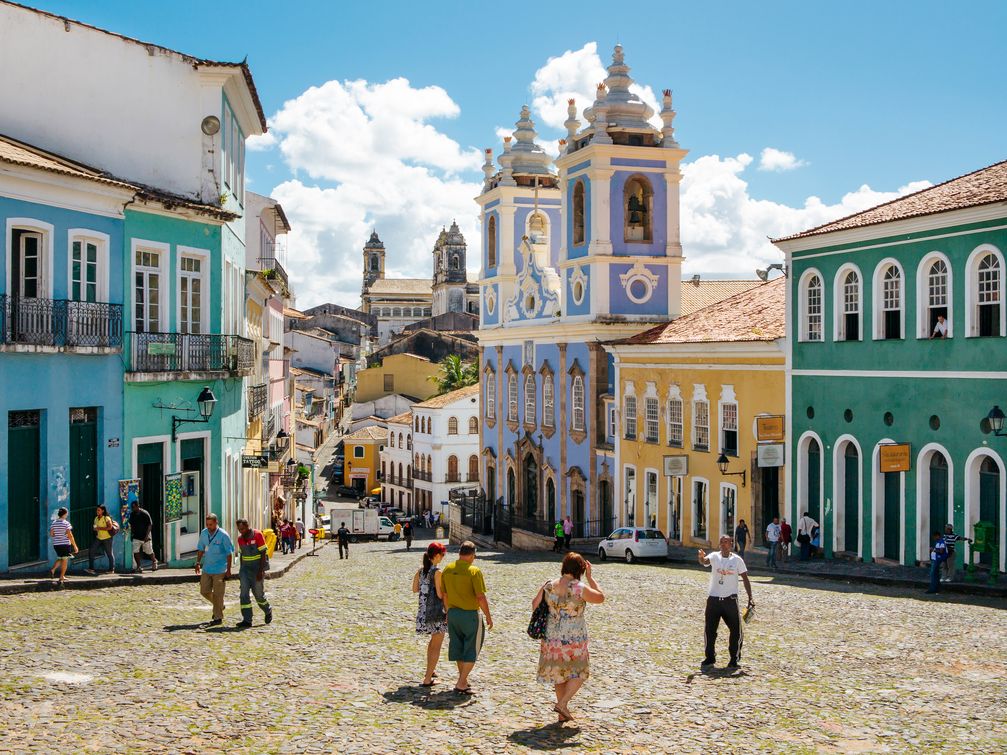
<point x="213" y="564"/>
<point x="938" y="555"/>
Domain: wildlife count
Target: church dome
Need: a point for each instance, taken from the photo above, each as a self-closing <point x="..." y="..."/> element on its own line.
<point x="528" y="158"/>
<point x="374" y="242"/>
<point x="621" y="109"/>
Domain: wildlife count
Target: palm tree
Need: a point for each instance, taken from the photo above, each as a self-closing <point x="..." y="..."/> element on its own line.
<point x="455" y="374"/>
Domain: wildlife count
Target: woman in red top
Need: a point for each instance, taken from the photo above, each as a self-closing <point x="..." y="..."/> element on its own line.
<point x="786" y="536"/>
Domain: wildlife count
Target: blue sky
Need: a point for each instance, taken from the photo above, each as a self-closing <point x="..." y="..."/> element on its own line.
<point x="882" y="94"/>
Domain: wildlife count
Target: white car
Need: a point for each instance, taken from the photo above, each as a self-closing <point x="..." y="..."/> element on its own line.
<point x="632" y="543"/>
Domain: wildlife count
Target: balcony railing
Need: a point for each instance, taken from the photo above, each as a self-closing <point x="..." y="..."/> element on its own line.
<point x="189" y="352"/>
<point x="257" y="395"/>
<point x="272" y="269"/>
<point x="60" y="322"/>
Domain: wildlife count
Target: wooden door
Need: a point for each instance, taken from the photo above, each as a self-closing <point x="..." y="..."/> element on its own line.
<point x="24" y="484"/>
<point x="851" y="498"/>
<point x="893" y="518"/>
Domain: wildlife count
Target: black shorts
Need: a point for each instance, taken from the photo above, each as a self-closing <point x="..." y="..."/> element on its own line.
<point x="63" y="551"/>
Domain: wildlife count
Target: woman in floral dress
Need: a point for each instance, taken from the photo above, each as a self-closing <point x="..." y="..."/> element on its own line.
<point x="427" y="583"/>
<point x="564" y="659"/>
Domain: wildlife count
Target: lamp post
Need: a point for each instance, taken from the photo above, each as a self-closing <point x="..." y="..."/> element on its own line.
<point x="996" y="420"/>
<point x="722" y="464"/>
<point x="206" y="401"/>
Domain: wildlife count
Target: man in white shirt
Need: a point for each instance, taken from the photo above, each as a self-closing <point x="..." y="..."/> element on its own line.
<point x="722" y="602"/>
<point x="773" y="538"/>
<point x="940" y="328"/>
<point x="805" y="531"/>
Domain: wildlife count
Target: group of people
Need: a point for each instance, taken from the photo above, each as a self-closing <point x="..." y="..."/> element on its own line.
<point x="452" y="597"/>
<point x="942" y="557"/>
<point x="214" y="559"/>
<point x="780" y="537"/>
<point x="563" y="532"/>
<point x="64" y="544"/>
<point x="289" y="534"/>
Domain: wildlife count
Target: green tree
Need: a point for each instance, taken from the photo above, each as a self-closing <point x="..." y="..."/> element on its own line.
<point x="455" y="374"/>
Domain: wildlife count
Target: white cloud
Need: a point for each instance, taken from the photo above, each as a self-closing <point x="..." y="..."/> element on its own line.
<point x="726" y="231"/>
<point x="778" y="161"/>
<point x="374" y="162"/>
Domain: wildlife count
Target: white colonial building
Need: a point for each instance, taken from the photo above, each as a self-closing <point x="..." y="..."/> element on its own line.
<point x="397" y="463"/>
<point x="445" y="447"/>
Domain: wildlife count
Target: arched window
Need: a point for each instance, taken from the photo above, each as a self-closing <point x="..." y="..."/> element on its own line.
<point x="473" y="425"/>
<point x="629" y="417"/>
<point x="548" y="402"/>
<point x="400" y="440"/>
<point x="473" y="468"/>
<point x="491" y="395"/>
<point x="578" y="213"/>
<point x="375" y="263"/>
<point x="577" y="395"/>
<point x="512" y="397"/>
<point x="811" y="307"/>
<point x="888" y="301"/>
<point x="396" y="312"/>
<point x="454" y="261"/>
<point x="452" y="469"/>
<point x="637" y="208"/>
<point x="529" y="399"/>
<point x="452" y="425"/>
<point x="984" y="295"/>
<point x="409" y="475"/>
<point x="400" y="473"/>
<point x="416" y="424"/>
<point x="933" y="292"/>
<point x="848" y="295"/>
<point x="491" y="242"/>
<point x="409" y="442"/>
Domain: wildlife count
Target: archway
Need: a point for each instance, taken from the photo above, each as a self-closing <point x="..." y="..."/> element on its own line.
<point x="847" y="492"/>
<point x="934" y="506"/>
<point x="550" y="500"/>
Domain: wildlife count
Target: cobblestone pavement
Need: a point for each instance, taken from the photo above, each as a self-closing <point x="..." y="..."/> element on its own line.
<point x="825" y="669"/>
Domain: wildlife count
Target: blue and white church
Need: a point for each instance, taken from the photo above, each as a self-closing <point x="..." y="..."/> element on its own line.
<point x="576" y="252"/>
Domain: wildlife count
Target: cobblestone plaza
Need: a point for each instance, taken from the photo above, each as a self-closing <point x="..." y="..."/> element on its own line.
<point x="825" y="668"/>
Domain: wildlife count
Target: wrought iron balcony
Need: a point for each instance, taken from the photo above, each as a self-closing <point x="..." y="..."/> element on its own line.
<point x="189" y="352"/>
<point x="272" y="269"/>
<point x="257" y="396"/>
<point x="60" y="323"/>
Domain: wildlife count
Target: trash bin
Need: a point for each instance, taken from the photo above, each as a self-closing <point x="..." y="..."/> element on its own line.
<point x="984" y="540"/>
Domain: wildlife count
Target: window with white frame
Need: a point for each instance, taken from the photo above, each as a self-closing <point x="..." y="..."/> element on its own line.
<point x="85" y="269"/>
<point x="529" y="399"/>
<point x="811" y="309"/>
<point x="937" y="301"/>
<point x="729" y="429"/>
<point x="629" y="417"/>
<point x="577" y="395"/>
<point x="528" y="353"/>
<point x="629" y="493"/>
<point x="889" y="324"/>
<point x="147" y="291"/>
<point x="701" y="425"/>
<point x="548" y="402"/>
<point x="612" y="425"/>
<point x="190" y="295"/>
<point x="491" y="395"/>
<point x="652" y="420"/>
<point x="849" y="321"/>
<point x="988" y="295"/>
<point x="512" y="397"/>
<point x="452" y="425"/>
<point x="675" y="421"/>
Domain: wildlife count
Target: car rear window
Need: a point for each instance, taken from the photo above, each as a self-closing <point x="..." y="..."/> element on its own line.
<point x="651" y="535"/>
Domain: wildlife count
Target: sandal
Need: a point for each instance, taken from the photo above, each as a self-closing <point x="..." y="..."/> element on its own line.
<point x="424" y="684"/>
<point x="563" y="716"/>
<point x="466" y="691"/>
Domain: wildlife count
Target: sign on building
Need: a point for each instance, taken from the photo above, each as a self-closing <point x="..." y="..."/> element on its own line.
<point x="895" y="457"/>
<point x="771" y="454"/>
<point x="769" y="428"/>
<point x="253" y="461"/>
<point x="676" y="466"/>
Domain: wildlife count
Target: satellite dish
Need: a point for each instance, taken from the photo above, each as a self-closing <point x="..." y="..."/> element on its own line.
<point x="210" y="125"/>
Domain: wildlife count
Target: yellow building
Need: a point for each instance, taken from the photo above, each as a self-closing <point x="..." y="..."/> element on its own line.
<point x="694" y="391"/>
<point x="404" y="374"/>
<point x="362" y="457"/>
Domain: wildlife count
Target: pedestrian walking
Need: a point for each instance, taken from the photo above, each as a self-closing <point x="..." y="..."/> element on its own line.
<point x="567" y="532"/>
<point x="299" y="526"/>
<point x="564" y="658"/>
<point x="557" y="547"/>
<point x="786" y="538"/>
<point x="951" y="540"/>
<point x="61" y="534"/>
<point x="407" y="534"/>
<point x="741" y="537"/>
<point x="397" y="531"/>
<point x="431" y="618"/>
<point x="464" y="596"/>
<point x="252" y="574"/>
<point x="289" y="533"/>
<point x="772" y="542"/>
<point x="214" y="553"/>
<point x="804" y="529"/>
<point x="722" y="601"/>
<point x="141" y="528"/>
<point x="938" y="555"/>
<point x="104" y="530"/>
<point x="343" y="538"/>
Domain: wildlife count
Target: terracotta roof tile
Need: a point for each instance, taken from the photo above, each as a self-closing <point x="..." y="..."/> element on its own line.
<point x="438" y="402"/>
<point x="983" y="186"/>
<point x="401" y="419"/>
<point x="372" y="432"/>
<point x="711" y="291"/>
<point x="758" y="314"/>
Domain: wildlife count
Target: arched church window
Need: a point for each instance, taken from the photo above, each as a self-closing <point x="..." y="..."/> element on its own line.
<point x="578" y="213"/>
<point x="491" y="242"/>
<point x="637" y="202"/>
<point x="375" y="263"/>
<point x="454" y="261"/>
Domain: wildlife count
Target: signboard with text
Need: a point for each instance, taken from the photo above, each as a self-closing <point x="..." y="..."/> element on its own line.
<point x="676" y="466"/>
<point x="769" y="428"/>
<point x="895" y="457"/>
<point x="771" y="454"/>
<point x="254" y="461"/>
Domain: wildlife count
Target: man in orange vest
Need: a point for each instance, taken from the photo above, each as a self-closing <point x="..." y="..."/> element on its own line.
<point x="254" y="562"/>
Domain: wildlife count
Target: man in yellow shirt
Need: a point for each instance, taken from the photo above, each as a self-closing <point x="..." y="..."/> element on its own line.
<point x="464" y="595"/>
<point x="102" y="543"/>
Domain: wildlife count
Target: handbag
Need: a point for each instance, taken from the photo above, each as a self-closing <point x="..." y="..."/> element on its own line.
<point x="435" y="606"/>
<point x="115" y="527"/>
<point x="539" y="619"/>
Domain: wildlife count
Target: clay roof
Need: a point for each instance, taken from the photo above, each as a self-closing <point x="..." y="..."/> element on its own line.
<point x="758" y="314"/>
<point x="438" y="402"/>
<point x="294" y="313"/>
<point x="14" y="152"/>
<point x="402" y="286"/>
<point x="983" y="186"/>
<point x="711" y="291"/>
<point x="401" y="419"/>
<point x="371" y="432"/>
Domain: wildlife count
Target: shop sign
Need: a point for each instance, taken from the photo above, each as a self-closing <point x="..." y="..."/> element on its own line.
<point x="769" y="428"/>
<point x="895" y="457"/>
<point x="676" y="466"/>
<point x="253" y="461"/>
<point x="771" y="454"/>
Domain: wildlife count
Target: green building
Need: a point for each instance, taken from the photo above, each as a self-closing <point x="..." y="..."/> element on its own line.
<point x="896" y="330"/>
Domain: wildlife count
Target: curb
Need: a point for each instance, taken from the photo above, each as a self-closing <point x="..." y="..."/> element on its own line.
<point x="136" y="580"/>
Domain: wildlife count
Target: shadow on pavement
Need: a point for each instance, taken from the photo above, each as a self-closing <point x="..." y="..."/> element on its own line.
<point x="184" y="627"/>
<point x="554" y="736"/>
<point x="414" y="694"/>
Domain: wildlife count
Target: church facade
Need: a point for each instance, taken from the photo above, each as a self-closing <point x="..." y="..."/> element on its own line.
<point x="577" y="252"/>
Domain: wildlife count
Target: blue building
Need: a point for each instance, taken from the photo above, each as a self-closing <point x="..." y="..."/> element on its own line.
<point x="61" y="335"/>
<point x="575" y="253"/>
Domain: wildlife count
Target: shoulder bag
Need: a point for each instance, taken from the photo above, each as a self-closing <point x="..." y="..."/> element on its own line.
<point x="539" y="618"/>
<point x="435" y="606"/>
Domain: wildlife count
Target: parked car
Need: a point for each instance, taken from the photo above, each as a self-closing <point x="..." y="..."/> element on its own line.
<point x="345" y="492"/>
<point x="633" y="543"/>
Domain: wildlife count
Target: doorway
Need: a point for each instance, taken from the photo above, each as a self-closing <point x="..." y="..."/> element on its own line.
<point x="530" y="486"/>
<point x="578" y="512"/>
<point x="813" y="504"/>
<point x="938" y="494"/>
<point x="675" y="508"/>
<point x="150" y="469"/>
<point x="892" y="514"/>
<point x="851" y="498"/>
<point x="83" y="473"/>
<point x="605" y="494"/>
<point x="989" y="501"/>
<point x="24" y="485"/>
<point x="769" y="496"/>
<point x="550" y="500"/>
<point x="191" y="452"/>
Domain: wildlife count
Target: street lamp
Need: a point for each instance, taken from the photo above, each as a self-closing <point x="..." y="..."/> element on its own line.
<point x="996" y="420"/>
<point x="205" y="402"/>
<point x="722" y="464"/>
